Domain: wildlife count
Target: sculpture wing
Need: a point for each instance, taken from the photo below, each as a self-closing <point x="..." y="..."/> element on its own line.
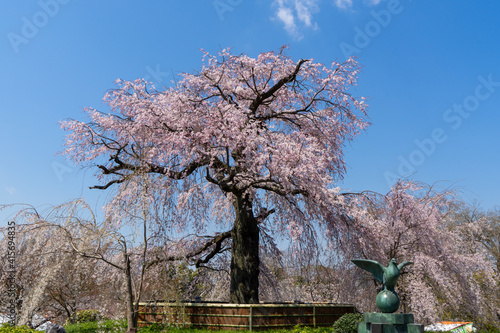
<point x="371" y="266"/>
<point x="404" y="263"/>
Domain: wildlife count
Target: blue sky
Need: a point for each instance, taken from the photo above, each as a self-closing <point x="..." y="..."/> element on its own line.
<point x="430" y="70"/>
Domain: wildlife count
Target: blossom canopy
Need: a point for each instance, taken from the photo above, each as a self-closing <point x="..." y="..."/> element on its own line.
<point x="253" y="123"/>
<point x="237" y="141"/>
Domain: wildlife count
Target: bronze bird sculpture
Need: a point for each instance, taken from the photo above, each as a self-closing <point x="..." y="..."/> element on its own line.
<point x="387" y="298"/>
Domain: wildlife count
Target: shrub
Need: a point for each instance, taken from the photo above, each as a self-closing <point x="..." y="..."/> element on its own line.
<point x="87" y="327"/>
<point x="85" y="316"/>
<point x="7" y="328"/>
<point x="348" y="323"/>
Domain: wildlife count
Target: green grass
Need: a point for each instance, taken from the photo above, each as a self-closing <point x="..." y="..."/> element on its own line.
<point x="161" y="329"/>
<point x="110" y="326"/>
<point x="7" y="328"/>
<point x="121" y="326"/>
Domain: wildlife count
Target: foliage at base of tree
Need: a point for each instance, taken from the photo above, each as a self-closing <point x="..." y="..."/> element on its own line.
<point x="348" y="323"/>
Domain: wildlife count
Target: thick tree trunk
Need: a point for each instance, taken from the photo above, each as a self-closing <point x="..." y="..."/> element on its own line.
<point x="129" y="297"/>
<point x="244" y="287"/>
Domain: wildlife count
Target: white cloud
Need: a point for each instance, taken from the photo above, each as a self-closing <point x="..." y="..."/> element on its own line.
<point x="296" y="14"/>
<point x="372" y="2"/>
<point x="285" y="15"/>
<point x="304" y="9"/>
<point x="11" y="190"/>
<point x="343" y="3"/>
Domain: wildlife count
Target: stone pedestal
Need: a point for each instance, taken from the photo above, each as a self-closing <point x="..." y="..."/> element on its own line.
<point x="389" y="323"/>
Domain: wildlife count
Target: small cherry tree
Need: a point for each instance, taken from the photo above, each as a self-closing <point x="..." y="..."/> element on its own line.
<point x="44" y="288"/>
<point x="113" y="248"/>
<point x="445" y="282"/>
<point x="242" y="142"/>
<point x="479" y="229"/>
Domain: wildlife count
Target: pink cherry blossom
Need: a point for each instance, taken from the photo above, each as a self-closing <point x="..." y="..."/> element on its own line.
<point x="240" y="136"/>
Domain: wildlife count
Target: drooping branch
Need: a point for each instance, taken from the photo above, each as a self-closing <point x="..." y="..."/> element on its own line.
<point x="216" y="249"/>
<point x="216" y="242"/>
<point x="108" y="184"/>
<point x="146" y="168"/>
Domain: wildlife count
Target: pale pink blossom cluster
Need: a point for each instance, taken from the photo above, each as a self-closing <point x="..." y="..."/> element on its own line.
<point x="409" y="224"/>
<point x="267" y="126"/>
<point x="50" y="280"/>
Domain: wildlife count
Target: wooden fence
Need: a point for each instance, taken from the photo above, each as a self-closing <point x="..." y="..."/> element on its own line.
<point x="223" y="316"/>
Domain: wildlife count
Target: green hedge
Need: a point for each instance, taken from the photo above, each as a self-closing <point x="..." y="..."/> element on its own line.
<point x="348" y="323"/>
